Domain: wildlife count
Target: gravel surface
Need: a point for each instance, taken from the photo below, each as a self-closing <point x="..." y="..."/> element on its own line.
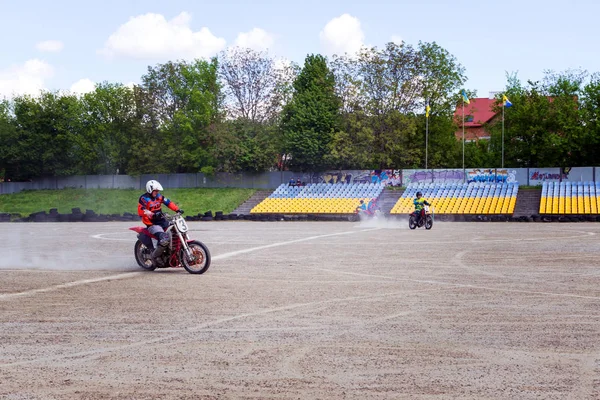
<point x="304" y="310"/>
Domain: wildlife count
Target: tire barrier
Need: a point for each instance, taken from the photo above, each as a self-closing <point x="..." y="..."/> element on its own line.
<point x="90" y="216"/>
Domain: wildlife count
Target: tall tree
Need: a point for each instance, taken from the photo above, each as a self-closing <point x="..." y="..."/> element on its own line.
<point x="441" y="77"/>
<point x="249" y="80"/>
<point x="543" y="128"/>
<point x="387" y="88"/>
<point x="312" y="116"/>
<point x="108" y="126"/>
<point x="243" y="145"/>
<point x="184" y="99"/>
<point x="146" y="152"/>
<point x="590" y="115"/>
<point x="9" y="151"/>
<point x="47" y="130"/>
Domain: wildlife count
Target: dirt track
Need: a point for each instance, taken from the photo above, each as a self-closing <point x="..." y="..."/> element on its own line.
<point x="304" y="310"/>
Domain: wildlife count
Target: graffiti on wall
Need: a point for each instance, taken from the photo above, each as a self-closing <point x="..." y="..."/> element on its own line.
<point x="492" y="175"/>
<point x="458" y="176"/>
<point x="438" y="175"/>
<point x="388" y="177"/>
<point x="334" y="177"/>
<point x="549" y="174"/>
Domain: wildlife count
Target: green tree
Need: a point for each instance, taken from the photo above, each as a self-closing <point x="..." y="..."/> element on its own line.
<point x="543" y="128"/>
<point x="441" y="77"/>
<point x="183" y="99"/>
<point x="9" y="150"/>
<point x="244" y="145"/>
<point x="108" y="126"/>
<point x="47" y="131"/>
<point x="312" y="117"/>
<point x="590" y="115"/>
<point x="384" y="93"/>
<point x="146" y="153"/>
<point x="444" y="151"/>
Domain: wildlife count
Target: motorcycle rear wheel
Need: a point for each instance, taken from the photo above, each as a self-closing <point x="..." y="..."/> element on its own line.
<point x="202" y="258"/>
<point x="143" y="256"/>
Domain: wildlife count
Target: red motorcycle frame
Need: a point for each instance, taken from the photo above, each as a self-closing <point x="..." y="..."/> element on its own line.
<point x="181" y="251"/>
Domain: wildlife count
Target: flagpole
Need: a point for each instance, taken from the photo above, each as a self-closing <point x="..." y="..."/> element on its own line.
<point x="426" y="138"/>
<point x="503" y="135"/>
<point x="463" y="138"/>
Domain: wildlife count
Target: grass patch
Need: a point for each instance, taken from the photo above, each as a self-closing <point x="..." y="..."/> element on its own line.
<point x="118" y="201"/>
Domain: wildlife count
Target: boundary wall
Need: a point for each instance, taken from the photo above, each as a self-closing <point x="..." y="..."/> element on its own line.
<point x="271" y="180"/>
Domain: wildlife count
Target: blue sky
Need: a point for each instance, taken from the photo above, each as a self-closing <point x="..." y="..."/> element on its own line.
<point x="68" y="45"/>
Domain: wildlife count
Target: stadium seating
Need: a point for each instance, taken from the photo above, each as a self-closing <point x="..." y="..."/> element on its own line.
<point x="472" y="198"/>
<point x="318" y="198"/>
<point x="570" y="198"/>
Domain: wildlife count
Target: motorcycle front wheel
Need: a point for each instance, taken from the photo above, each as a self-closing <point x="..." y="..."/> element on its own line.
<point x="143" y="256"/>
<point x="412" y="222"/>
<point x="428" y="222"/>
<point x="200" y="258"/>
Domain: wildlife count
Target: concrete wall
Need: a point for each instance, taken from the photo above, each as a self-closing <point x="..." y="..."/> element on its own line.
<point x="270" y="180"/>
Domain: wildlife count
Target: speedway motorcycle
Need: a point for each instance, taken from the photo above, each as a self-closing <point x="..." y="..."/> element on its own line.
<point x="426" y="221"/>
<point x="192" y="255"/>
<point x="369" y="213"/>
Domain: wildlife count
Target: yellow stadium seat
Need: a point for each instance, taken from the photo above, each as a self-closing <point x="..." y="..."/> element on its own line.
<point x="586" y="204"/>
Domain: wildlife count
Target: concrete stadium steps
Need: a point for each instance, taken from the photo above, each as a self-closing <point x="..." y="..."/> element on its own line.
<point x="388" y="199"/>
<point x="528" y="202"/>
<point x="249" y="204"/>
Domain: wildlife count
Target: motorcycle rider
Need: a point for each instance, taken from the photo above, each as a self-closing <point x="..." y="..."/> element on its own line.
<point x="372" y="206"/>
<point x="419" y="203"/>
<point x="362" y="207"/>
<point x="149" y="208"/>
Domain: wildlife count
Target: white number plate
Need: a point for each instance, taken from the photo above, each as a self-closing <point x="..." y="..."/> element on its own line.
<point x="181" y="225"/>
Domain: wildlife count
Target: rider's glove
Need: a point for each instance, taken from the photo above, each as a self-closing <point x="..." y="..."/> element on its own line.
<point x="180" y="211"/>
<point x="149" y="213"/>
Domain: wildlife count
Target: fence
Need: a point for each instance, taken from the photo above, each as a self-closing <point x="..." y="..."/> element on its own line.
<point x="270" y="180"/>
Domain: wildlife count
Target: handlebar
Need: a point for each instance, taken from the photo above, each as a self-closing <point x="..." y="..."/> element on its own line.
<point x="167" y="216"/>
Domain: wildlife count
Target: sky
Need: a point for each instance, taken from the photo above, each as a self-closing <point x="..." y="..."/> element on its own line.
<point x="71" y="45"/>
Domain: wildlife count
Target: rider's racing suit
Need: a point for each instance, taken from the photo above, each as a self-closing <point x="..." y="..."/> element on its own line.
<point x="419" y="204"/>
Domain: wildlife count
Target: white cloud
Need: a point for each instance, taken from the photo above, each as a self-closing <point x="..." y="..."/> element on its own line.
<point x="342" y="34"/>
<point x="28" y="78"/>
<point x="257" y="39"/>
<point x="51" y="46"/>
<point x="151" y="36"/>
<point x="83" y="86"/>
<point x="397" y="39"/>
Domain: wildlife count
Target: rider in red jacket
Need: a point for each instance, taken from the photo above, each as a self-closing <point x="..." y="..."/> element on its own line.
<point x="149" y="208"/>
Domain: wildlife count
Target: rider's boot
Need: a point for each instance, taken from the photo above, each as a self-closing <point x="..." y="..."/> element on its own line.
<point x="161" y="246"/>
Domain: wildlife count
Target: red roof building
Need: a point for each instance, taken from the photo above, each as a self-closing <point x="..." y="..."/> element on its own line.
<point x="477" y="113"/>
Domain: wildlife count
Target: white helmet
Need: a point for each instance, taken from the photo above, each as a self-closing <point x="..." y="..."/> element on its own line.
<point x="152" y="186"/>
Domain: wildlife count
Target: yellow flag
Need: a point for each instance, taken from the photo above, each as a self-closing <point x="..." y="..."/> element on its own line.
<point x="427" y="111"/>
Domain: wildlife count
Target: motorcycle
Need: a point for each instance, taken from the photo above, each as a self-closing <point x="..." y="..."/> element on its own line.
<point x="426" y="221"/>
<point x="372" y="212"/>
<point x="192" y="255"/>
